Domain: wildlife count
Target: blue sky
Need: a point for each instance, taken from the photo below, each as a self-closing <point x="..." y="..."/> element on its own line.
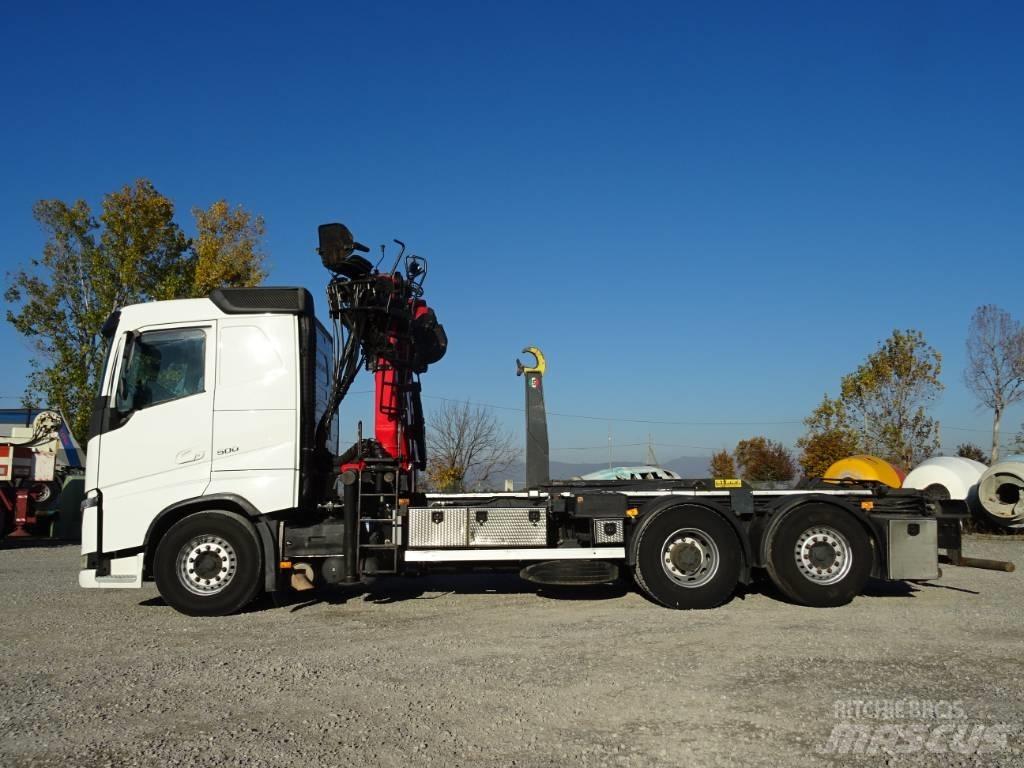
<point x="704" y="214"/>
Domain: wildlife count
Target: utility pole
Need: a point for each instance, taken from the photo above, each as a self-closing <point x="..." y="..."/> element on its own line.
<point x="609" y="445"/>
<point x="652" y="460"/>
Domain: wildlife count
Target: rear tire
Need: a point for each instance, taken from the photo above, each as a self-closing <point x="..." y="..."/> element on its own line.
<point x="208" y="564"/>
<point x="687" y="557"/>
<point x="820" y="556"/>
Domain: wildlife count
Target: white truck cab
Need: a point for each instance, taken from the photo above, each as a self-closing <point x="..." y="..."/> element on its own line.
<point x="200" y="405"/>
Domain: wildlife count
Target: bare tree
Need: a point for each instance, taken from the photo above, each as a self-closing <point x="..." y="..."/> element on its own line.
<point x="466" y="445"/>
<point x="995" y="363"/>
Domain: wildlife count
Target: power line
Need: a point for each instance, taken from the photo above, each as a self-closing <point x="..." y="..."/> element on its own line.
<point x="668" y="422"/>
<point x="967" y="429"/>
<point x="619" y="419"/>
<point x="631" y="445"/>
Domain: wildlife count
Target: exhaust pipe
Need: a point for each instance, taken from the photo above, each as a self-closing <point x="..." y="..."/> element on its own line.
<point x="350" y="541"/>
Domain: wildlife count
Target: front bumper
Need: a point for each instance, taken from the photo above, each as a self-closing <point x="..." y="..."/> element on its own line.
<point x="111" y="572"/>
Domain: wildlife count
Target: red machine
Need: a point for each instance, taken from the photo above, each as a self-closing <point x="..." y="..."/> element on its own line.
<point x="27" y="473"/>
<point x="398" y="422"/>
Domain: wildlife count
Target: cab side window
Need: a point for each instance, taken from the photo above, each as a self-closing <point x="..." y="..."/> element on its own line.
<point x="160" y="366"/>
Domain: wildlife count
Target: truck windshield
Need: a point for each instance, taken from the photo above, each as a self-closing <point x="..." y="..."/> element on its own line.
<point x="161" y="366"/>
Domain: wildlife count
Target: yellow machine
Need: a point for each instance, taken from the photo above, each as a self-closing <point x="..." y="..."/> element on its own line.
<point x="866" y="468"/>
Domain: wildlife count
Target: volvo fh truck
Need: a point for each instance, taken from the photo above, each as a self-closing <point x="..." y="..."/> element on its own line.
<point x="213" y="468"/>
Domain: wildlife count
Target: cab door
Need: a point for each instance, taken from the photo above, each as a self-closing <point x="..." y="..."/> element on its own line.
<point x="157" y="447"/>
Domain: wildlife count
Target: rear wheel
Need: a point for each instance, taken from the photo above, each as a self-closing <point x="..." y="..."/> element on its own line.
<point x="687" y="557"/>
<point x="208" y="564"/>
<point x="820" y="556"/>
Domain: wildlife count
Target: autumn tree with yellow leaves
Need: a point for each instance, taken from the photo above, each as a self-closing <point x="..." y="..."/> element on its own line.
<point x="131" y="251"/>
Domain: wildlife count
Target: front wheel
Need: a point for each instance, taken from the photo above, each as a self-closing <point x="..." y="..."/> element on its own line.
<point x="45" y="494"/>
<point x="208" y="564"/>
<point x="687" y="557"/>
<point x="820" y="556"/>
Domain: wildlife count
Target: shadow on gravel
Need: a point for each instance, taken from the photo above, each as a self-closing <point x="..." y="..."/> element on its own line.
<point x="262" y="604"/>
<point x="9" y="543"/>
<point x="757" y="587"/>
<point x="950" y="588"/>
<point x="389" y="590"/>
<point x="874" y="588"/>
<point x="879" y="588"/>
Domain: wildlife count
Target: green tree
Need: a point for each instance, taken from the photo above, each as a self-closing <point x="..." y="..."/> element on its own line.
<point x="132" y="252"/>
<point x="142" y="253"/>
<point x="761" y="459"/>
<point x="226" y="248"/>
<point x="971" y="451"/>
<point x="722" y="465"/>
<point x="65" y="305"/>
<point x="886" y="399"/>
<point x="829" y="438"/>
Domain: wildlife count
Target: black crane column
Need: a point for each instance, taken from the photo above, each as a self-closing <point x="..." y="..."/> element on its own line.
<point x="538" y="470"/>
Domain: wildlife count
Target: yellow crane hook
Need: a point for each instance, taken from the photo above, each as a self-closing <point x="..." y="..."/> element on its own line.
<point x="539" y="367"/>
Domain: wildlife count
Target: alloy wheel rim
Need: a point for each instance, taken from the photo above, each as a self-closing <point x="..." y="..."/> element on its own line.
<point x="823" y="555"/>
<point x="690" y="557"/>
<point x="206" y="565"/>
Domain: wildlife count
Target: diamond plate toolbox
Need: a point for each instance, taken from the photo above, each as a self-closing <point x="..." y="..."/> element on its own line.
<point x="519" y="527"/>
<point x="437" y="528"/>
<point x="607" y="531"/>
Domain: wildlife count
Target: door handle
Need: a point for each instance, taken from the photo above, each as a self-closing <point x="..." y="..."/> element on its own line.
<point x="189" y="455"/>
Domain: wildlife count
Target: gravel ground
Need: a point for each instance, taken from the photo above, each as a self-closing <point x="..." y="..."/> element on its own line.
<point x="483" y="670"/>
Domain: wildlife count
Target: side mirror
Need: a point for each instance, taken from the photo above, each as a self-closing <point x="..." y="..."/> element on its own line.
<point x="121" y="391"/>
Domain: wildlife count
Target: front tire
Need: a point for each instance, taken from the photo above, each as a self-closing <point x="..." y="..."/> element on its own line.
<point x="687" y="557"/>
<point x="208" y="564"/>
<point x="45" y="494"/>
<point x="820" y="556"/>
